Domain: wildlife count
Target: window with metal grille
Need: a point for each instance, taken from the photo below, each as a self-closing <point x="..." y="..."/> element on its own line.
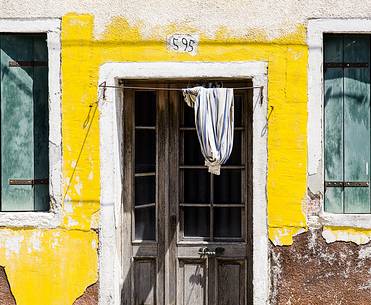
<point x="208" y="207"/>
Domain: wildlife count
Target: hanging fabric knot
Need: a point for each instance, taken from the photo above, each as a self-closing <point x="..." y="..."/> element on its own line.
<point x="214" y="120"/>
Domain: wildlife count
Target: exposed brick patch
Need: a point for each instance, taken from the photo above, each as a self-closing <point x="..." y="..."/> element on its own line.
<point x="90" y="296"/>
<point x="6" y="296"/>
<point x="312" y="272"/>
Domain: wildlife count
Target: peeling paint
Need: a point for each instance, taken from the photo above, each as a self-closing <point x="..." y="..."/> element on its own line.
<point x="12" y="245"/>
<point x="90" y="296"/>
<point x="332" y="234"/>
<point x="314" y="272"/>
<point x="6" y="295"/>
<point x="52" y="262"/>
<point x="284" y="235"/>
<point x="34" y="242"/>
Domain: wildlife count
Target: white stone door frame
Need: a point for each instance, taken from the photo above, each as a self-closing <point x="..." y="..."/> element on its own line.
<point x="110" y="122"/>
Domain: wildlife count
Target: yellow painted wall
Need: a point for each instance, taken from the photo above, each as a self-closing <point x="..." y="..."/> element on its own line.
<point x="53" y="267"/>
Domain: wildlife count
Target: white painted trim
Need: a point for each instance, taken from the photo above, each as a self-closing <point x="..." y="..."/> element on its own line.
<point x="110" y="277"/>
<point x="346" y="220"/>
<point x="316" y="29"/>
<point x="52" y="27"/>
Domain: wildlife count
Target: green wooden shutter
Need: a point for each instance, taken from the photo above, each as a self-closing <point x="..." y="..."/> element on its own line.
<point x="24" y="122"/>
<point x="347" y="123"/>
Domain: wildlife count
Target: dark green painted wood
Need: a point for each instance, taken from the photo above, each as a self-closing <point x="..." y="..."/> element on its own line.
<point x="24" y="111"/>
<point x="333" y="48"/>
<point x="356" y="48"/>
<point x="347" y="122"/>
<point x="41" y="123"/>
<point x="356" y="123"/>
<point x="334" y="200"/>
<point x="357" y="200"/>
<point x="333" y="125"/>
<point x="356" y="138"/>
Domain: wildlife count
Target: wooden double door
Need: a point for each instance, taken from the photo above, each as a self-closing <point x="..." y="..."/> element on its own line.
<point x="186" y="233"/>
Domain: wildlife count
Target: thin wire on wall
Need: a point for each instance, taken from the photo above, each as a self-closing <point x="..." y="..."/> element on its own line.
<point x="103" y="85"/>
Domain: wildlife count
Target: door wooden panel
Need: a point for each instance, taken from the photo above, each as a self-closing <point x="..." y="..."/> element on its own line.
<point x="231" y="282"/>
<point x="192" y="282"/>
<point x="145" y="281"/>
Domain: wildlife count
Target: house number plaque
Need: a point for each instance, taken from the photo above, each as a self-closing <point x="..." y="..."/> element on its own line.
<point x="183" y="43"/>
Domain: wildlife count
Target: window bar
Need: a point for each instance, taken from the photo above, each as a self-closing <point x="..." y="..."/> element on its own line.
<point x="143" y="206"/>
<point x="145" y="127"/>
<point x="145" y="174"/>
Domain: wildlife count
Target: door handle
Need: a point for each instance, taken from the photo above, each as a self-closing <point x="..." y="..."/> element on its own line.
<point x="207" y="252"/>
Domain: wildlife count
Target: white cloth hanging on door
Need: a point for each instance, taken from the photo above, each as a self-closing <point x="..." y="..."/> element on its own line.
<point x="214" y="120"/>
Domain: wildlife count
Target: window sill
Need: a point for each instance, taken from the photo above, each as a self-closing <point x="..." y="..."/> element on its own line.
<point x="346" y="220"/>
<point x="30" y="219"/>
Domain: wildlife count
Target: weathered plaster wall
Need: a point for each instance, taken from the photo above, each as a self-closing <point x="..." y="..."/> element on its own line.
<point x="312" y="272"/>
<point x="240" y="18"/>
<point x="6" y="295"/>
<point x="63" y="261"/>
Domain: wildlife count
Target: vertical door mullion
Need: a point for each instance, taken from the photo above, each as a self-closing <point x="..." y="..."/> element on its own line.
<point x="162" y="136"/>
<point x="1" y="123"/>
<point x="369" y="160"/>
<point x="173" y="193"/>
<point x="127" y="231"/>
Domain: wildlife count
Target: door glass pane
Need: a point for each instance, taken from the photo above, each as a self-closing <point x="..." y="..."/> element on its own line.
<point x="188" y="116"/>
<point x="145" y="226"/>
<point x="227" y="222"/>
<point x="196" y="186"/>
<point x="192" y="150"/>
<point x="145" y="190"/>
<point x="238" y="100"/>
<point x="145" y="151"/>
<point x="145" y="108"/>
<point x="196" y="222"/>
<point x="145" y="165"/>
<point x="227" y="186"/>
<point x="235" y="157"/>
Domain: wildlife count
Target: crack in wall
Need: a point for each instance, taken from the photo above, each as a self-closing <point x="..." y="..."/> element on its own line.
<point x="6" y="295"/>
